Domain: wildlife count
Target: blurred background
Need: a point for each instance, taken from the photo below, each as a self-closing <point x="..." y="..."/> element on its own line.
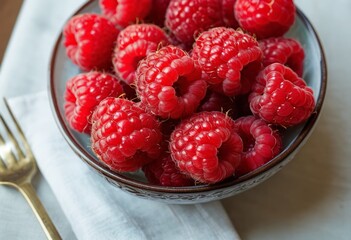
<point x="8" y="13"/>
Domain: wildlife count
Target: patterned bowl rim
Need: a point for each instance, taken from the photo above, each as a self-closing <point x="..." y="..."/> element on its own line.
<point x="125" y="180"/>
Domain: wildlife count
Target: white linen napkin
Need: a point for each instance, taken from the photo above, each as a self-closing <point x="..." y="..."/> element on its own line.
<point x="96" y="209"/>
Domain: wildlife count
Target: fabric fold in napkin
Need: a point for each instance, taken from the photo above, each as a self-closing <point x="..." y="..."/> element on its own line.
<point x="96" y="209"/>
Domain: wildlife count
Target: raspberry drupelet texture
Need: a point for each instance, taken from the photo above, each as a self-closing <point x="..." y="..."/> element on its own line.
<point x="187" y="18"/>
<point x="265" y="18"/>
<point x="164" y="172"/>
<point x="83" y="93"/>
<point x="261" y="143"/>
<point x="247" y="79"/>
<point x="280" y="96"/>
<point x="133" y="44"/>
<point x="89" y="40"/>
<point x="282" y="50"/>
<point x="124" y="136"/>
<point x="223" y="54"/>
<point x="207" y="147"/>
<point x="169" y="84"/>
<point x="125" y="12"/>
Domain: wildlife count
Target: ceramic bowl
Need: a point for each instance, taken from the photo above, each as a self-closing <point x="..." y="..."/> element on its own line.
<point x="61" y="69"/>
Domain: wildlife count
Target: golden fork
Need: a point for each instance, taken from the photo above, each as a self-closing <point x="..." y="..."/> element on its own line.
<point x="17" y="168"/>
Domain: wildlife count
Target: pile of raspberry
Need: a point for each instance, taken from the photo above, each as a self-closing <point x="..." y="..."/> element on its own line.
<point x="187" y="91"/>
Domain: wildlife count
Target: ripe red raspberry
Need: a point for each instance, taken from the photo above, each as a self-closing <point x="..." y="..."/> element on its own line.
<point x="282" y="50"/>
<point x="157" y="14"/>
<point x="247" y="78"/>
<point x="187" y="18"/>
<point x="265" y="18"/>
<point x="169" y="84"/>
<point x="89" y="40"/>
<point x="83" y="93"/>
<point x="133" y="44"/>
<point x="281" y="97"/>
<point x="207" y="147"/>
<point x="164" y="172"/>
<point x="261" y="143"/>
<point x="223" y="54"/>
<point x="123" y="135"/>
<point x="125" y="12"/>
<point x="228" y="13"/>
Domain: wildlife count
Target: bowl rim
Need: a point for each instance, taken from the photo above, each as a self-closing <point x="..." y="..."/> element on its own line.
<point x="127" y="181"/>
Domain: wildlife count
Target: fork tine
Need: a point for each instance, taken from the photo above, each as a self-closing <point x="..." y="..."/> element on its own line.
<point x="9" y="156"/>
<point x="26" y="146"/>
<point x="12" y="138"/>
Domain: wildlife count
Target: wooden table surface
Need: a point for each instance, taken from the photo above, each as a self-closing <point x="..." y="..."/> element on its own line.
<point x="8" y="13"/>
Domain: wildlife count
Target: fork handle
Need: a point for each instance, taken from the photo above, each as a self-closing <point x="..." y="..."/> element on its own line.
<point x="30" y="195"/>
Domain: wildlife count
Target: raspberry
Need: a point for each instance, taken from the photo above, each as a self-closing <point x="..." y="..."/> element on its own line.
<point x="265" y="18"/>
<point x="188" y="18"/>
<point x="282" y="50"/>
<point x="281" y="97"/>
<point x="165" y="172"/>
<point x="123" y="135"/>
<point x="125" y="12"/>
<point x="169" y="84"/>
<point x="89" y="41"/>
<point x="247" y="78"/>
<point x="207" y="147"/>
<point x="158" y="12"/>
<point x="261" y="143"/>
<point x="133" y="44"/>
<point x="223" y="54"/>
<point x="228" y="13"/>
<point x="83" y="93"/>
